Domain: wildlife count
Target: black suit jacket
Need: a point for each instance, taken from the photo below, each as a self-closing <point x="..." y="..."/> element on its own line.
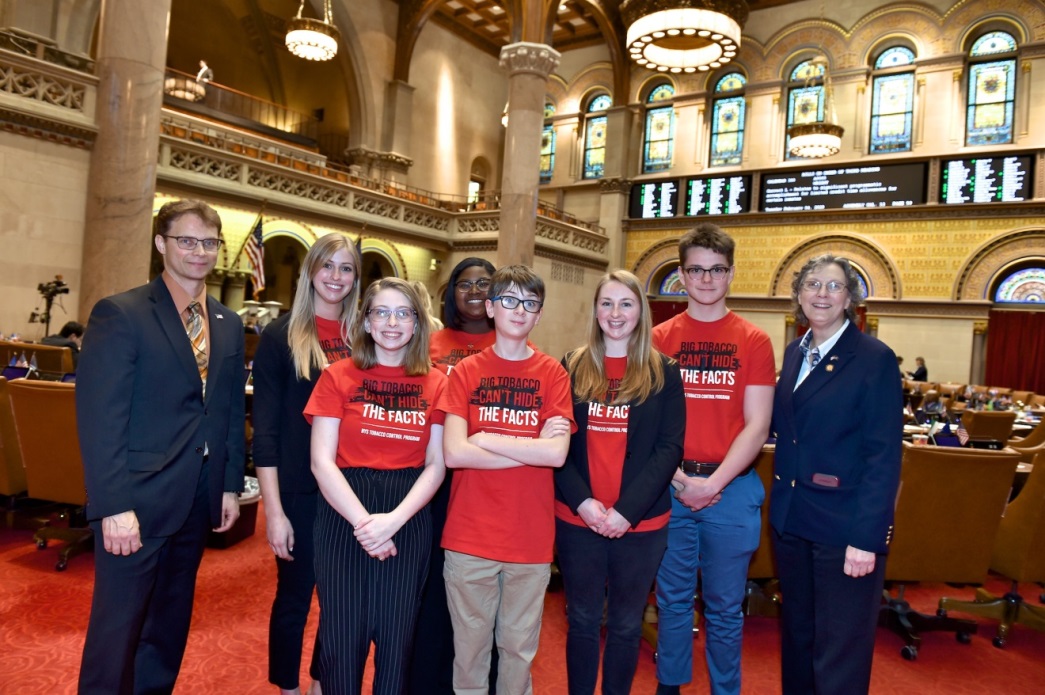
<point x="846" y="421"/>
<point x="656" y="429"/>
<point x="142" y="422"/>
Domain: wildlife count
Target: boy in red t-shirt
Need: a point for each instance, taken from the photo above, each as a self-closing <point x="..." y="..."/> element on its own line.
<point x="509" y="415"/>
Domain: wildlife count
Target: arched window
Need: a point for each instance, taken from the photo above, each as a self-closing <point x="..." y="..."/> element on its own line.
<point x="892" y="101"/>
<point x="548" y="145"/>
<point x="728" y="116"/>
<point x="672" y="284"/>
<point x="660" y="130"/>
<point x="1024" y="286"/>
<point x="992" y="90"/>
<point x="595" y="136"/>
<point x="805" y="98"/>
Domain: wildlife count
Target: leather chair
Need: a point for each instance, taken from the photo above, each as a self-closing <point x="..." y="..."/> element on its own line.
<point x="1023" y="397"/>
<point x="1029" y="446"/>
<point x="1018" y="555"/>
<point x="989" y="425"/>
<point x="49" y="358"/>
<point x="952" y="390"/>
<point x="12" y="472"/>
<point x="45" y="418"/>
<point x="948" y="508"/>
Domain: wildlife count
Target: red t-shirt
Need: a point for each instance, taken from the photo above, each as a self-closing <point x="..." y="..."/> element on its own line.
<point x="607" y="441"/>
<point x="386" y="416"/>
<point x="334" y="347"/>
<point x="718" y="360"/>
<point x="448" y="347"/>
<point x="505" y="515"/>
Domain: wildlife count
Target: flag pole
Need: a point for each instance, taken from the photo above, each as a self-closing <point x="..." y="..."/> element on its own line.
<point x="246" y="239"/>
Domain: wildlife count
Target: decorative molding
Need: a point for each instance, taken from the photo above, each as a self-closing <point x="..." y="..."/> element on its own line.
<point x="971" y="310"/>
<point x="615" y="185"/>
<point x="529" y="58"/>
<point x="42" y="100"/>
<point x="992" y="257"/>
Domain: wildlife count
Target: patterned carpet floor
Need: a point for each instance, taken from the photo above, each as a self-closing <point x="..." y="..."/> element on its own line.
<point x="43" y="617"/>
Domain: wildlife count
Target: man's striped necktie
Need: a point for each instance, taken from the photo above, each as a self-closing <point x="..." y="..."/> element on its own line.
<point x="198" y="338"/>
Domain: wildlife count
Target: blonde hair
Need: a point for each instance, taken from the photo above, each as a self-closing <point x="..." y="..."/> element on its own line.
<point x="364" y="352"/>
<point x="426" y="302"/>
<point x="645" y="371"/>
<point x="301" y="332"/>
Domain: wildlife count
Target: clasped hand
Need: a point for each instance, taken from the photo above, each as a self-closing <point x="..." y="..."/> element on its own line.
<point x="374" y="532"/>
<point x="606" y="522"/>
<point x="695" y="493"/>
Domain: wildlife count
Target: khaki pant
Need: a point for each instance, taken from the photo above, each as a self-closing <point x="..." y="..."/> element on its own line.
<point x="487" y="597"/>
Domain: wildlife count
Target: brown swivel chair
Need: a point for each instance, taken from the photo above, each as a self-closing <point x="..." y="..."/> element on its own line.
<point x="1017" y="555"/>
<point x="989" y="425"/>
<point x="949" y="505"/>
<point x="763" y="587"/>
<point x="45" y="418"/>
<point x="1029" y="446"/>
<point x="12" y="472"/>
<point x="1023" y="397"/>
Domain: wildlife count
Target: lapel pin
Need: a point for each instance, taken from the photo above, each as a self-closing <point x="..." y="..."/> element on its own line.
<point x="830" y="368"/>
<point x="834" y="357"/>
<point x="218" y="316"/>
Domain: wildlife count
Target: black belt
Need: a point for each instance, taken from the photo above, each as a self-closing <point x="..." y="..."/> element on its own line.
<point x="698" y="468"/>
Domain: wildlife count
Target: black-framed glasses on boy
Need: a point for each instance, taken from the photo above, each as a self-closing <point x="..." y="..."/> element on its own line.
<point x="531" y="306"/>
<point x="482" y="284"/>
<point x="189" y="243"/>
<point x="695" y="272"/>
<point x="382" y="314"/>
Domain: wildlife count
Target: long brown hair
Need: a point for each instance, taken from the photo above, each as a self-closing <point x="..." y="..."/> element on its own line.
<point x="645" y="371"/>
<point x="301" y="332"/>
<point x="364" y="352"/>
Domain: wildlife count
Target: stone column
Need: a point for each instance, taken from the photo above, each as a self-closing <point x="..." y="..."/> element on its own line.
<point x="528" y="66"/>
<point x="613" y="210"/>
<point x="132" y="50"/>
<point x="978" y="366"/>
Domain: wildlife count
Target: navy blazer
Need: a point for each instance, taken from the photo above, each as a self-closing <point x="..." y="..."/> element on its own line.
<point x="656" y="429"/>
<point x="142" y="421"/>
<point x="282" y="435"/>
<point x="845" y="421"/>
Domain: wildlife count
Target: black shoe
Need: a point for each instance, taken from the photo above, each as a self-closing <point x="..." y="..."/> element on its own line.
<point x="667" y="689"/>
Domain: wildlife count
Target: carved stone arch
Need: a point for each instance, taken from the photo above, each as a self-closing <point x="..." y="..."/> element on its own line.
<point x="979" y="271"/>
<point x="659" y="254"/>
<point x="881" y="42"/>
<point x="1025" y="19"/>
<point x="919" y="26"/>
<point x="810" y="37"/>
<point x="557" y="92"/>
<point x="595" y="78"/>
<point x="387" y="256"/>
<point x="651" y="82"/>
<point x="879" y="270"/>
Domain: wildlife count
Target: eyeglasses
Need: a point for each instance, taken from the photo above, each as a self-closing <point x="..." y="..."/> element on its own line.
<point x="532" y="306"/>
<point x="833" y="286"/>
<point x="402" y="315"/>
<point x="482" y="284"/>
<point x="695" y="272"/>
<point x="189" y="243"/>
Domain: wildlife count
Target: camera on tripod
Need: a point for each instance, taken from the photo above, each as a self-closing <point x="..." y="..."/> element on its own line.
<point x="52" y="289"/>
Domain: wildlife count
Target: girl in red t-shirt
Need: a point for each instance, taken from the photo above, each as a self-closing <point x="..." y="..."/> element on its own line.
<point x="292" y="353"/>
<point x="377" y="456"/>
<point x="612" y="503"/>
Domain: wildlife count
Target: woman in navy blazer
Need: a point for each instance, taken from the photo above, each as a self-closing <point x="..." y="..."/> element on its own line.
<point x="837" y="415"/>
<point x="612" y="493"/>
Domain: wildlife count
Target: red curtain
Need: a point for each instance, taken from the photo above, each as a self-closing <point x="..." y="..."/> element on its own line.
<point x="1016" y="350"/>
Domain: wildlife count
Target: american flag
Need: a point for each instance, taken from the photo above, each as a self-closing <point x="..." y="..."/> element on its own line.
<point x="256" y="253"/>
<point x="963" y="435"/>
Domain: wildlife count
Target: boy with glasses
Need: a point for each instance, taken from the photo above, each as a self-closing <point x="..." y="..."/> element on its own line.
<point x="728" y="373"/>
<point x="508" y="422"/>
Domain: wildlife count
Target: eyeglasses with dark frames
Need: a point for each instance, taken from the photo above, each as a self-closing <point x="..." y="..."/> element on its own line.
<point x="695" y="272"/>
<point x="531" y="306"/>
<point x="482" y="284"/>
<point x="189" y="243"/>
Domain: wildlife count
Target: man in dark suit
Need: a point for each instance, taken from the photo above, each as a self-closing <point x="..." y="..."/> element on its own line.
<point x="160" y="410"/>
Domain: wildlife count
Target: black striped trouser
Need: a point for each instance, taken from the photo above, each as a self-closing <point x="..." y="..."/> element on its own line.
<point x="362" y="599"/>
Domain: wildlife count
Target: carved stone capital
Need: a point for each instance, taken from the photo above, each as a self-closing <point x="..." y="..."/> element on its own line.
<point x="533" y="58"/>
<point x="979" y="327"/>
<point x="614" y="185"/>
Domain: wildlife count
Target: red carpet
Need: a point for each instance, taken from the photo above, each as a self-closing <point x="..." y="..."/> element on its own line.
<point x="43" y="616"/>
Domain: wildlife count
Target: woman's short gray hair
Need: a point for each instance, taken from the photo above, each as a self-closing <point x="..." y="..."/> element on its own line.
<point x="852" y="284"/>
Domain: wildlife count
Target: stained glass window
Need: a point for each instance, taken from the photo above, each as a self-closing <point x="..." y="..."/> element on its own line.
<point x="892" y="102"/>
<point x="660" y="130"/>
<point x="595" y="137"/>
<point x="1025" y="286"/>
<point x="728" y="116"/>
<point x="672" y="284"/>
<point x="805" y="98"/>
<point x="547" y="153"/>
<point x="991" y="90"/>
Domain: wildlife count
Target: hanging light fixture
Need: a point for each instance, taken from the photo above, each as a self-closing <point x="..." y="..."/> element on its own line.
<point x="822" y="137"/>
<point x="313" y="39"/>
<point x="683" y="35"/>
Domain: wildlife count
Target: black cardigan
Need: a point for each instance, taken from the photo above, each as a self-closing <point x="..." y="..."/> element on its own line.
<point x="282" y="436"/>
<point x="656" y="429"/>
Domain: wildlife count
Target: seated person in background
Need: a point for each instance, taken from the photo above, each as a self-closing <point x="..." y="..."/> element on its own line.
<point x="932" y="405"/>
<point x="70" y="336"/>
<point x="920" y="373"/>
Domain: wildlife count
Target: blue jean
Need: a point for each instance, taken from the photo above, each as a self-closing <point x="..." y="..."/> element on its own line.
<point x="717" y="541"/>
<point x="618" y="572"/>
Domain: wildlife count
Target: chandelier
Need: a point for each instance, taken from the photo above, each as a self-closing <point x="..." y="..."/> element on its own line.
<point x="313" y="39"/>
<point x="683" y="35"/>
<point x="822" y="137"/>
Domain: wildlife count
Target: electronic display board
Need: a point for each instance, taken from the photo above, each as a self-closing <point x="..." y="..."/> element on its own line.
<point x="654" y="199"/>
<point x="717" y="195"/>
<point x="996" y="179"/>
<point x="844" y="187"/>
